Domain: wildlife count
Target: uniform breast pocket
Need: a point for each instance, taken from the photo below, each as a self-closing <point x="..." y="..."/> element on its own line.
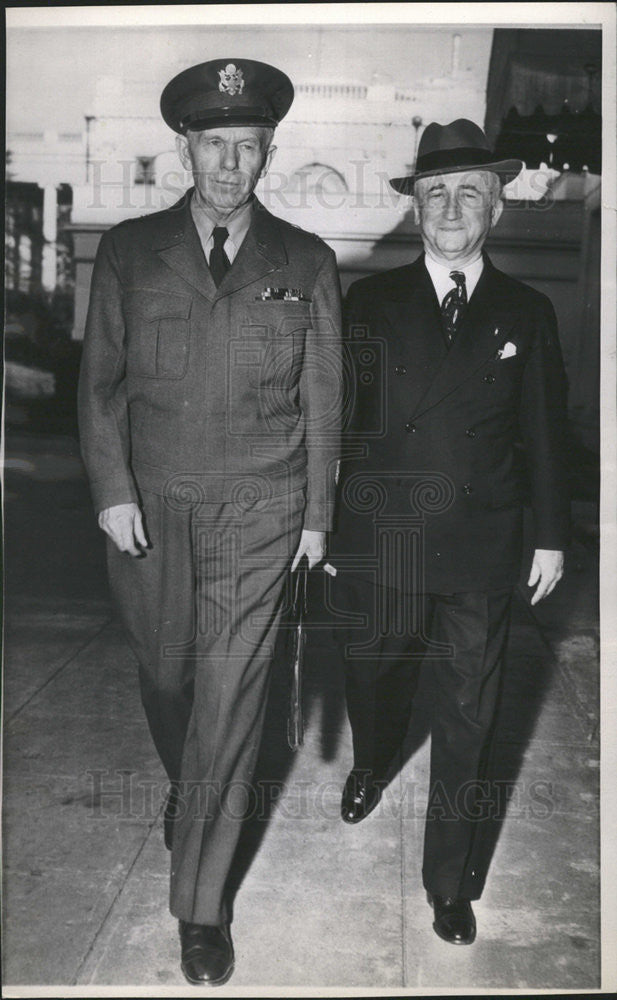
<point x="158" y="333"/>
<point x="273" y="342"/>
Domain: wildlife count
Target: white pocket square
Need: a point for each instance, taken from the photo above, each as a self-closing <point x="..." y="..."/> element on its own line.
<point x="507" y="351"/>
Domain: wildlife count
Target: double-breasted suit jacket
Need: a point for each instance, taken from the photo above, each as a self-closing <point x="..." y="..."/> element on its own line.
<point x="186" y="385"/>
<point x="441" y="429"/>
<point x="218" y="411"/>
<point x="431" y="510"/>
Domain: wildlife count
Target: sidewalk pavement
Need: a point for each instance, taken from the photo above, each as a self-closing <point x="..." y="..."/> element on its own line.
<point x="320" y="903"/>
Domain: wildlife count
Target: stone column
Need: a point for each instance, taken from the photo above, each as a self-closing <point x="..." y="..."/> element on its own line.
<point x="50" y="232"/>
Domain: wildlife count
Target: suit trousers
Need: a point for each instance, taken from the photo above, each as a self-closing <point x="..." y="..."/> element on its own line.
<point x="461" y="641"/>
<point x="202" y="608"/>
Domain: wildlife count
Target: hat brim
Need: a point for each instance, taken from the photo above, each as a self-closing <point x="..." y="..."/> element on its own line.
<point x="507" y="170"/>
<point x="228" y="118"/>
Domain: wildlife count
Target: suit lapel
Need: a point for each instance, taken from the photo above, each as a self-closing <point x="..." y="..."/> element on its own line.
<point x="412" y="311"/>
<point x="491" y="315"/>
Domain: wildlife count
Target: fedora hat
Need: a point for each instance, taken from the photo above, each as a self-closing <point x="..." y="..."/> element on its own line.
<point x="450" y="149"/>
<point x="226" y="92"/>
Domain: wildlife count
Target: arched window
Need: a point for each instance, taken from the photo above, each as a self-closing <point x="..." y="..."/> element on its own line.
<point x="144" y="170"/>
<point x="317" y="177"/>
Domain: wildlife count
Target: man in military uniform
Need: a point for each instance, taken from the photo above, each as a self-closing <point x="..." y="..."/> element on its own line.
<point x="209" y="410"/>
<point x="431" y="513"/>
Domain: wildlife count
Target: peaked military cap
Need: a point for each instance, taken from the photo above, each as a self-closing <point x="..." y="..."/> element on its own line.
<point x="453" y="148"/>
<point x="226" y="92"/>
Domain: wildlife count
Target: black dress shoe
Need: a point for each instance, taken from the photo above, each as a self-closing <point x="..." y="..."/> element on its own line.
<point x="360" y="796"/>
<point x="454" y="920"/>
<point x="207" y="954"/>
<point x="171" y="811"/>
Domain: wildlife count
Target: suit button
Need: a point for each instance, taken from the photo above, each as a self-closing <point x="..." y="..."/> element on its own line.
<point x="467" y="489"/>
<point x="410" y="428"/>
<point x="489" y="378"/>
<point x="470" y="432"/>
<point x="400" y="370"/>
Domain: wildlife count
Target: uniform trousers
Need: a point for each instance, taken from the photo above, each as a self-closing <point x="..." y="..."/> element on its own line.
<point x="461" y="640"/>
<point x="202" y="607"/>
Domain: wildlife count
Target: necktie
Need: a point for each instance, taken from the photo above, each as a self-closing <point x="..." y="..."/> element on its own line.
<point x="219" y="263"/>
<point x="454" y="306"/>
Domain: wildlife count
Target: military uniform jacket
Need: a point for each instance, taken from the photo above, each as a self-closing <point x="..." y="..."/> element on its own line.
<point x="437" y="432"/>
<point x="207" y="393"/>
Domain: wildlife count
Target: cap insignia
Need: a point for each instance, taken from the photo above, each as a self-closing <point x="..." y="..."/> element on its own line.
<point x="231" y="80"/>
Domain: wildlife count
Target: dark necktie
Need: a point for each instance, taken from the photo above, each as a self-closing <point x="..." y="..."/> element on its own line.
<point x="454" y="306"/>
<point x="219" y="262"/>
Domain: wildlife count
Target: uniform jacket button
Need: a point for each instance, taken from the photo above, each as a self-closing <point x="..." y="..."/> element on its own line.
<point x="467" y="489"/>
<point x="410" y="428"/>
<point x="470" y="432"/>
<point x="400" y="370"/>
<point x="489" y="378"/>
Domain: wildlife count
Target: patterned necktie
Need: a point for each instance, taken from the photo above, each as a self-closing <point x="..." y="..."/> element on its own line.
<point x="454" y="306"/>
<point x="219" y="262"/>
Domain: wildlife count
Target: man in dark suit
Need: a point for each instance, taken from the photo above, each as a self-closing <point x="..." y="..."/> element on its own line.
<point x="209" y="411"/>
<point x="431" y="506"/>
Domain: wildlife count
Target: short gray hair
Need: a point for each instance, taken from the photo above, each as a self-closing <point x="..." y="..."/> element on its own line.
<point x="266" y="135"/>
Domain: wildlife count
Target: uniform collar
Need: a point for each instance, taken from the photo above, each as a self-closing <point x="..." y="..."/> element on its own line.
<point x="237" y="227"/>
<point x="177" y="241"/>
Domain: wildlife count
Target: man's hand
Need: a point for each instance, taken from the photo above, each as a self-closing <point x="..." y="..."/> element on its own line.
<point x="546" y="571"/>
<point x="312" y="545"/>
<point x="123" y="523"/>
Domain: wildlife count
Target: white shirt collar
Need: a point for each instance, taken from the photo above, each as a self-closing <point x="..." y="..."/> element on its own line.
<point x="443" y="283"/>
<point x="237" y="228"/>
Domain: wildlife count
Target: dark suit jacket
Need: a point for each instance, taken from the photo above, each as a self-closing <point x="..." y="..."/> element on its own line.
<point x="204" y="393"/>
<point x="440" y="428"/>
